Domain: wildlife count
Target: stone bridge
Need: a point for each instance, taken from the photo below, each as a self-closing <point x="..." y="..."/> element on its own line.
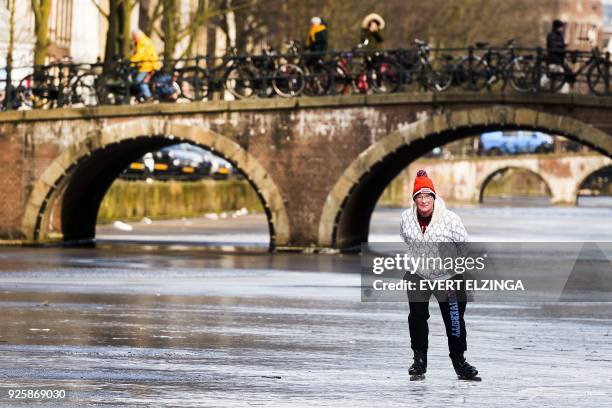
<point x="319" y="165"/>
<point x="464" y="180"/>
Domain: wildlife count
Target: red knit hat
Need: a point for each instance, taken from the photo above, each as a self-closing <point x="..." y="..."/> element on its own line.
<point x="423" y="184"/>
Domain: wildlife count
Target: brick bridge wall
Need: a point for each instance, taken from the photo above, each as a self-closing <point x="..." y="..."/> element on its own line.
<point x="318" y="164"/>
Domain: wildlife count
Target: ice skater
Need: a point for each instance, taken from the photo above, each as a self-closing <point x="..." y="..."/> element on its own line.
<point x="429" y="221"/>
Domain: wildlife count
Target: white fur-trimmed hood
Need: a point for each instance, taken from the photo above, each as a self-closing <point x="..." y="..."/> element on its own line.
<point x="445" y="226"/>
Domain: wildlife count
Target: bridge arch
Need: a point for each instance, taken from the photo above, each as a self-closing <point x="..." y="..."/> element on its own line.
<point x="584" y="177"/>
<point x="82" y="174"/>
<point x="484" y="180"/>
<point x="345" y="216"/>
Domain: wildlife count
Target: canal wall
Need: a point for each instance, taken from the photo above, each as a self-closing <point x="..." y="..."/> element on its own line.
<point x="133" y="200"/>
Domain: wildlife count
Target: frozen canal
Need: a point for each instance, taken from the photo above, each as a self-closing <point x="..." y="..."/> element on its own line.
<point x="129" y="325"/>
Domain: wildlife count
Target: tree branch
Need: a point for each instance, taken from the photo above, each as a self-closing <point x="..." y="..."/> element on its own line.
<point x="98" y="7"/>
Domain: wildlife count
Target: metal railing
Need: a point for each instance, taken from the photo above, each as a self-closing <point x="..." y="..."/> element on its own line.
<point x="478" y="68"/>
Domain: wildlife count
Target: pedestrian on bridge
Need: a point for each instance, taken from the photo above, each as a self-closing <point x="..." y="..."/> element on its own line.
<point x="429" y="221"/>
<point x="555" y="58"/>
<point x="317" y="40"/>
<point x="371" y="31"/>
<point x="555" y="43"/>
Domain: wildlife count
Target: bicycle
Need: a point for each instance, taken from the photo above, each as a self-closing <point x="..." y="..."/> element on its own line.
<point x="197" y="82"/>
<point x="497" y="65"/>
<point x="116" y="84"/>
<point x="262" y="76"/>
<point x="289" y="79"/>
<point x="49" y="86"/>
<point x="376" y="71"/>
<point x="550" y="77"/>
<point x="599" y="75"/>
<point x="472" y="72"/>
<point x="424" y="72"/>
<point x="83" y="88"/>
<point x="233" y="75"/>
<point x="553" y="77"/>
<point x="317" y="74"/>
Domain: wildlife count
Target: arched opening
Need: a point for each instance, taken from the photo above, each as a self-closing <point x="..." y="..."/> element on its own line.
<point x="596" y="189"/>
<point x="89" y="181"/>
<point x="183" y="194"/>
<point x="501" y="196"/>
<point x="515" y="186"/>
<point x="96" y="193"/>
<point x="66" y="201"/>
<point x="365" y="180"/>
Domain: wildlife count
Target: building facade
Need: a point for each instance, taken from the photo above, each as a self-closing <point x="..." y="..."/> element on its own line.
<point x="74" y="31"/>
<point x="584" y="22"/>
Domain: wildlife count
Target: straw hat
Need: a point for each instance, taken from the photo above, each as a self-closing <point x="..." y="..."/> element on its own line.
<point x="373" y="16"/>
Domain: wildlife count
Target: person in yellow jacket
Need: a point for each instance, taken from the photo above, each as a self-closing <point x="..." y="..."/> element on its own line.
<point x="317" y="36"/>
<point x="145" y="60"/>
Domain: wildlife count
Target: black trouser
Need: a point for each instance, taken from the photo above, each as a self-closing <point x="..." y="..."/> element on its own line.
<point x="452" y="306"/>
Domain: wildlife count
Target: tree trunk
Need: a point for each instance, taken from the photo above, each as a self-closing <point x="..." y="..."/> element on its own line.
<point x="144" y="16"/>
<point x="231" y="26"/>
<point x="118" y="34"/>
<point x="170" y="27"/>
<point x="11" y="43"/>
<point x="41" y="10"/>
<point x="125" y="40"/>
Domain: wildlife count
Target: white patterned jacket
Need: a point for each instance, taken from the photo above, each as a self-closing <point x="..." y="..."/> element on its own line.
<point x="445" y="226"/>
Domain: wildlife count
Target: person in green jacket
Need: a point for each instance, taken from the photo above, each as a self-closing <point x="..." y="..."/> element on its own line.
<point x="371" y="28"/>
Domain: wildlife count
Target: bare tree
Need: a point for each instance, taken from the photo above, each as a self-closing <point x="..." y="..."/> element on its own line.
<point x="250" y="24"/>
<point x="41" y="9"/>
<point x="144" y="16"/>
<point x="170" y="28"/>
<point x="118" y="34"/>
<point x="11" y="43"/>
<point x="174" y="32"/>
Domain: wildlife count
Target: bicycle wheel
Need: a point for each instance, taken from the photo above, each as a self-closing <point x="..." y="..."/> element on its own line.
<point x="113" y="88"/>
<point x="472" y="73"/>
<point x="318" y="80"/>
<point x="439" y="76"/>
<point x="521" y="75"/>
<point x="599" y="80"/>
<point x="288" y="80"/>
<point x="385" y="77"/>
<point x="552" y="77"/>
<point x="240" y="82"/>
<point x="83" y="91"/>
<point x="34" y="91"/>
<point x="193" y="84"/>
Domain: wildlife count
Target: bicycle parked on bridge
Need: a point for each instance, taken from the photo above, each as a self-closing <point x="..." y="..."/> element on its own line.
<point x="317" y="74"/>
<point x="496" y="67"/>
<point x="198" y="82"/>
<point x="263" y="76"/>
<point x="422" y="72"/>
<point x="377" y="72"/>
<point x="55" y="85"/>
<point x="595" y="70"/>
<point x="297" y="73"/>
<point x="242" y="76"/>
